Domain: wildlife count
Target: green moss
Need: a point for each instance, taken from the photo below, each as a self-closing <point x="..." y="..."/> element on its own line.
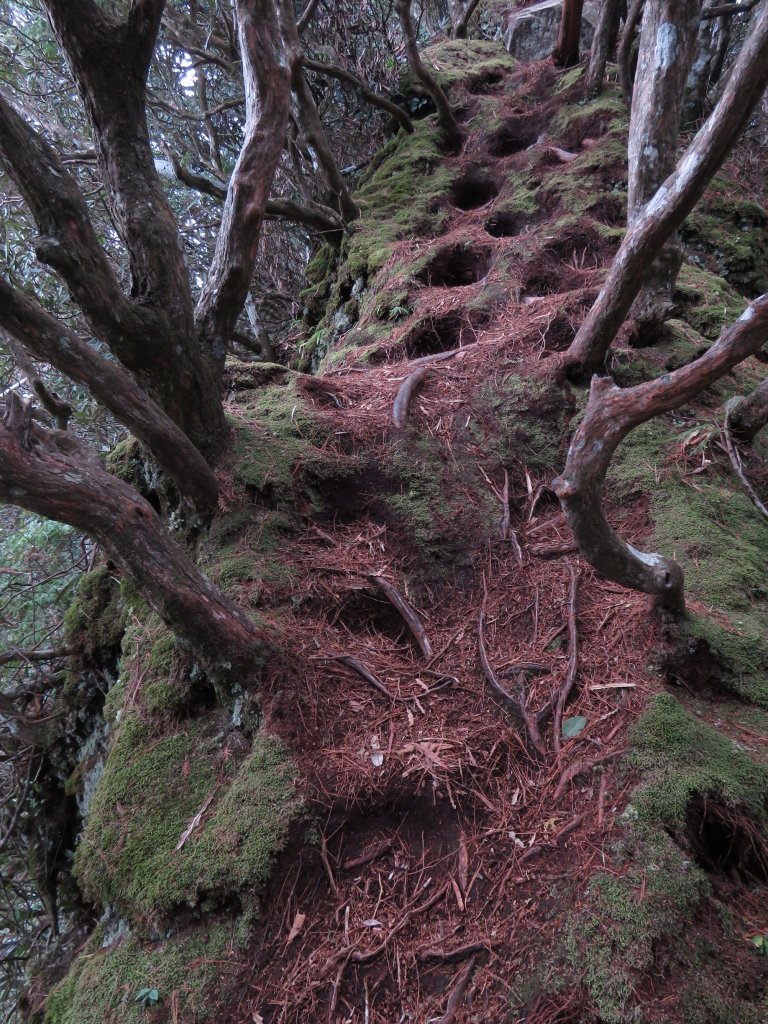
<point x="729" y="235"/>
<point x="151" y="790"/>
<point x="614" y="941"/>
<point x="708" y="302"/>
<point x="465" y="61"/>
<point x="102" y="984"/>
<point x="95" y="621"/>
<point x="523" y="420"/>
<point x="680" y="757"/>
<point x="126" y="461"/>
<point x="398" y="198"/>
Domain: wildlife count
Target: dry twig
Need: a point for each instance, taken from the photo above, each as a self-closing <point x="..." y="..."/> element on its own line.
<point x="407" y="611"/>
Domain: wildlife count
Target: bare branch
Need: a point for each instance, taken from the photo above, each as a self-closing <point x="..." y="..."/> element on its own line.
<point x="267" y="80"/>
<point x="673" y="201"/>
<point x="307" y="15"/>
<point x="374" y="98"/>
<point x="723" y="10"/>
<point x="454" y="137"/>
<point x="611" y="414"/>
<point x="49" y="340"/>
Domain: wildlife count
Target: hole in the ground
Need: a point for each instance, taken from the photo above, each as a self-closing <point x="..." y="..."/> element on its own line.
<point x="609" y="210"/>
<point x="486" y="83"/>
<point x="548" y="276"/>
<point x="559" y="334"/>
<point x="725" y="840"/>
<point x="456" y="265"/>
<point x="507" y="223"/>
<point x="438" y="334"/>
<point x="591" y="126"/>
<point x="349" y="496"/>
<point x="473" y="189"/>
<point x="514" y="135"/>
<point x="363" y="612"/>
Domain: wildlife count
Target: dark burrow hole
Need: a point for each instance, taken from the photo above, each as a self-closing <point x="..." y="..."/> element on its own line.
<point x="438" y="334"/>
<point x="513" y="136"/>
<point x="473" y="189"/>
<point x="364" y="612"/>
<point x="456" y="266"/>
<point x="350" y="496"/>
<point x="559" y="334"/>
<point x="486" y="83"/>
<point x="591" y="126"/>
<point x="551" y="277"/>
<point x="726" y="841"/>
<point x="508" y="223"/>
<point x="610" y="210"/>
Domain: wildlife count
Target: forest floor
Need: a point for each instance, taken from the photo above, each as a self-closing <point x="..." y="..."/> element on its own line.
<point x="450" y="865"/>
<point x="454" y="865"/>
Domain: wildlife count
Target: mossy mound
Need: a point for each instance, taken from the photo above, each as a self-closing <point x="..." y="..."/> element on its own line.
<point x="185" y="972"/>
<point x="239" y="804"/>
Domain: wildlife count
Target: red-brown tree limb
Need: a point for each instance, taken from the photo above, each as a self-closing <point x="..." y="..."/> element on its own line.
<point x="52" y="342"/>
<point x="610" y="415"/>
<point x="405" y="393"/>
<point x="267" y="79"/>
<point x="673" y="201"/>
<point x="407" y="612"/>
<point x="53" y="478"/>
<point x="452" y="133"/>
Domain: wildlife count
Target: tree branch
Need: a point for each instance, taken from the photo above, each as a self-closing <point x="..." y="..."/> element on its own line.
<point x="68" y="241"/>
<point x="267" y="79"/>
<point x="673" y="201"/>
<point x="376" y="100"/>
<point x="747" y="416"/>
<point x="611" y="414"/>
<point x="727" y="9"/>
<point x="50" y="341"/>
<point x="454" y="137"/>
<point x="307" y="15"/>
<point x="50" y="481"/>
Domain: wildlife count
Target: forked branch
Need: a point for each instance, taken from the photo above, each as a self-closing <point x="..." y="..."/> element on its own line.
<point x="611" y="414"/>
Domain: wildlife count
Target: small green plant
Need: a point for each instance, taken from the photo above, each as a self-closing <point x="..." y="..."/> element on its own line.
<point x="148" y="998"/>
<point x="760" y="942"/>
<point x="397" y="312"/>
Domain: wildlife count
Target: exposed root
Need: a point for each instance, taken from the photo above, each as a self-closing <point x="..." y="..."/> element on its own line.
<point x="367" y="675"/>
<point x="738" y="468"/>
<point x="584" y="764"/>
<point x="407" y="390"/>
<point x="573" y="656"/>
<point x="531" y="720"/>
<point x="408" y="613"/>
<point x="456" y="997"/>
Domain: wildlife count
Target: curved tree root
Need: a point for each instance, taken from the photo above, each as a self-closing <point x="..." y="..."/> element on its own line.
<point x="404" y="396"/>
<point x="611" y="414"/>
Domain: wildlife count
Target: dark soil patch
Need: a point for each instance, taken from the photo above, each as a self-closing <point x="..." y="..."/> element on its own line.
<point x="440" y="333"/>
<point x="473" y="189"/>
<point x="610" y="210"/>
<point x="456" y="266"/>
<point x="508" y="223"/>
<point x="514" y="135"/>
<point x="726" y="841"/>
<point x="488" y="83"/>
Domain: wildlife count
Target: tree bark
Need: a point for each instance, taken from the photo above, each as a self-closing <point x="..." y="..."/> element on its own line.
<point x="566" y="52"/>
<point x="267" y="80"/>
<point x="603" y="45"/>
<point x="624" y="55"/>
<point x="611" y="414"/>
<point x="460" y="15"/>
<point x="667" y="45"/>
<point x="673" y="202"/>
<point x="708" y="43"/>
<point x="52" y="478"/>
<point x="747" y="416"/>
<point x="50" y="341"/>
<point x="110" y="61"/>
<point x="453" y="135"/>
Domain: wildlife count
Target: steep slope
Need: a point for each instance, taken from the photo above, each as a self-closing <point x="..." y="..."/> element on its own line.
<point x="380" y="834"/>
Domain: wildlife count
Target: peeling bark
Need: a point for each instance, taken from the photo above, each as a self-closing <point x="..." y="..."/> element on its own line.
<point x="611" y="414"/>
<point x="667" y="46"/>
<point x="267" y="97"/>
<point x="673" y="202"/>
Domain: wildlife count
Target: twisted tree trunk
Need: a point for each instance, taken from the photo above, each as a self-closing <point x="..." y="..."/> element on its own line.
<point x="611" y="414"/>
